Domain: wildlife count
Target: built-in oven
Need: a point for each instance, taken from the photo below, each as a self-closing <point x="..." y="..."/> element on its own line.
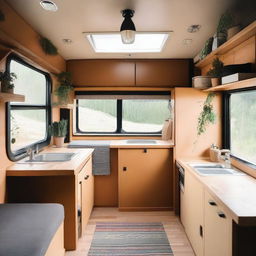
<point x="181" y="173"/>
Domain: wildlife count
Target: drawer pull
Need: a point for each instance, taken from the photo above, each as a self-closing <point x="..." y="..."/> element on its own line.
<point x="212" y="203"/>
<point x="80" y="182"/>
<point x="86" y="177"/>
<point x="124" y="169"/>
<point x="221" y="215"/>
<point x="145" y="150"/>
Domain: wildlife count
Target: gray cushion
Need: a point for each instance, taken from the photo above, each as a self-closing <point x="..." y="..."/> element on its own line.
<point x="27" y="229"/>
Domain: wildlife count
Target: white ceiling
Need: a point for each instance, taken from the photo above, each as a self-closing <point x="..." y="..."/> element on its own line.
<point x="77" y="16"/>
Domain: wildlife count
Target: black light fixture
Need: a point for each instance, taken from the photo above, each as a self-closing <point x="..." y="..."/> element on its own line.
<point x="128" y="28"/>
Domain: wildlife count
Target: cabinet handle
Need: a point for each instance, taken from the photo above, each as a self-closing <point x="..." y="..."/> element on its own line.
<point x="86" y="177"/>
<point x="212" y="203"/>
<point x="201" y="231"/>
<point x="145" y="150"/>
<point x="124" y="169"/>
<point x="221" y="215"/>
<point x="80" y="182"/>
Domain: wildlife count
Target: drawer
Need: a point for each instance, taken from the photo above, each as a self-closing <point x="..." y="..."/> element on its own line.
<point x="86" y="170"/>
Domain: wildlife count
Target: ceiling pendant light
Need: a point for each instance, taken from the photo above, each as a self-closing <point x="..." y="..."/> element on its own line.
<point x="128" y="28"/>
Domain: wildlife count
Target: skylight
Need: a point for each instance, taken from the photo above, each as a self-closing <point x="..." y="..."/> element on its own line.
<point x="112" y="43"/>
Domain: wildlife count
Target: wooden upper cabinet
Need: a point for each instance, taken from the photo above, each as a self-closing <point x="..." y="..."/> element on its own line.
<point x="102" y="72"/>
<point x="163" y="73"/>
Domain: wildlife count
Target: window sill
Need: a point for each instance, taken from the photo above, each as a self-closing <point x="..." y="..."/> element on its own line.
<point x="118" y="135"/>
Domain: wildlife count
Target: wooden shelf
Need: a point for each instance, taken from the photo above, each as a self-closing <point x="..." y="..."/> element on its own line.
<point x="239" y="38"/>
<point x="7" y="97"/>
<point x="233" y="86"/>
<point x="69" y="106"/>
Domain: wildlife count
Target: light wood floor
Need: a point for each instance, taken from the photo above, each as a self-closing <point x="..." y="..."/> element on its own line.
<point x="173" y="228"/>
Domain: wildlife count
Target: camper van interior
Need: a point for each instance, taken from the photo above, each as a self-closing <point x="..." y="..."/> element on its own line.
<point x="127" y="127"/>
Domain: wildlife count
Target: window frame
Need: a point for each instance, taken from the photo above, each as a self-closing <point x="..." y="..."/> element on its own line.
<point x="21" y="153"/>
<point x="119" y="131"/>
<point x="226" y="129"/>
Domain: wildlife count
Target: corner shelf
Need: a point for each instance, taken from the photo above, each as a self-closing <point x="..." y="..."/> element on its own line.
<point x="239" y="38"/>
<point x="233" y="86"/>
<point x="7" y="97"/>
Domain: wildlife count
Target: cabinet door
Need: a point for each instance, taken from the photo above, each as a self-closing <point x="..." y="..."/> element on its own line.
<point x="162" y="73"/>
<point x="86" y="182"/>
<point x="144" y="178"/>
<point x="194" y="212"/>
<point x="218" y="229"/>
<point x="102" y="72"/>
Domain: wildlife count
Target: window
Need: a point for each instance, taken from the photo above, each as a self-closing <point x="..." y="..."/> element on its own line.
<point x="27" y="122"/>
<point x="112" y="42"/>
<point x="241" y="128"/>
<point x="122" y="114"/>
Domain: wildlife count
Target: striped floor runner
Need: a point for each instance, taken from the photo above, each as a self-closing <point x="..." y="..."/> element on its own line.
<point x="136" y="239"/>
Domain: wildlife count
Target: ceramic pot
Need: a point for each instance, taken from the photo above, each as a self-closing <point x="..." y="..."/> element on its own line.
<point x="233" y="31"/>
<point x="9" y="90"/>
<point x="58" y="141"/>
<point x="215" y="81"/>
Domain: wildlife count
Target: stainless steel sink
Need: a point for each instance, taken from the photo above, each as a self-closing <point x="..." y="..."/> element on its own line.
<point x="141" y="142"/>
<point x="215" y="169"/>
<point x="52" y="157"/>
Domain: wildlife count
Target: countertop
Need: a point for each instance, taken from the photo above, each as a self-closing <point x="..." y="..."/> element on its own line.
<point x="236" y="193"/>
<point x="72" y="167"/>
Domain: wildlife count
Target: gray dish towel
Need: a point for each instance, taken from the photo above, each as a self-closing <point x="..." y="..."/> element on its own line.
<point x="100" y="156"/>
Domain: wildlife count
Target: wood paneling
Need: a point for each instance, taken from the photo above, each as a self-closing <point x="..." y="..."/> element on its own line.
<point x="102" y="72"/>
<point x="146" y="181"/>
<point x="162" y="73"/>
<point x="16" y="32"/>
<point x="188" y="106"/>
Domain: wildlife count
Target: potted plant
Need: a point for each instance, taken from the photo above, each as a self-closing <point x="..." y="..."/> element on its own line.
<point x="64" y="88"/>
<point x="58" y="130"/>
<point x="6" y="79"/>
<point x="216" y="71"/>
<point x="226" y="21"/>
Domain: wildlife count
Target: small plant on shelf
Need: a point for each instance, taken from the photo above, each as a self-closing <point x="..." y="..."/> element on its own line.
<point x="59" y="130"/>
<point x="64" y="88"/>
<point x="216" y="71"/>
<point x="47" y="46"/>
<point x="207" y="115"/>
<point x="7" y="79"/>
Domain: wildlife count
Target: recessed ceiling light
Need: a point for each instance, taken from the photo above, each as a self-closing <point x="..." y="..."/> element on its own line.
<point x="194" y="28"/>
<point x="112" y="42"/>
<point x="49" y="6"/>
<point x="67" y="41"/>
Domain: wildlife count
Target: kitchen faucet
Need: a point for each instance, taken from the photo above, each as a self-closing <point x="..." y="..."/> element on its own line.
<point x="31" y="152"/>
<point x="225" y="158"/>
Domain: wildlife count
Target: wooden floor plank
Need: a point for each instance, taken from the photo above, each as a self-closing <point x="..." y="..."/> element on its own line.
<point x="173" y="228"/>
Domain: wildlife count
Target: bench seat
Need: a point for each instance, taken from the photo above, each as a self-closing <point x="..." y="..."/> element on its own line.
<point x="27" y="229"/>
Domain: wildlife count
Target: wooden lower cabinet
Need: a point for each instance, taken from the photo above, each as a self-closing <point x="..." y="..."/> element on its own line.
<point x="193" y="212"/>
<point x="218" y="229"/>
<point x="144" y="179"/>
<point x="85" y="195"/>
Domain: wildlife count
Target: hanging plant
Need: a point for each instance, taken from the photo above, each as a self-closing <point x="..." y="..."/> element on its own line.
<point x="2" y="16"/>
<point x="7" y="79"/>
<point x="47" y="46"/>
<point x="64" y="88"/>
<point x="207" y="115"/>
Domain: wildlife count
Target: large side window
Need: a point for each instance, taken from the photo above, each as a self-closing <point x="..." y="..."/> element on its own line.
<point x="124" y="114"/>
<point x="27" y="122"/>
<point x="240" y="125"/>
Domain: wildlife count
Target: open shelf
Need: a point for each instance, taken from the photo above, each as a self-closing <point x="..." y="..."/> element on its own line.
<point x="69" y="106"/>
<point x="236" y="40"/>
<point x="7" y="97"/>
<point x="233" y="86"/>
